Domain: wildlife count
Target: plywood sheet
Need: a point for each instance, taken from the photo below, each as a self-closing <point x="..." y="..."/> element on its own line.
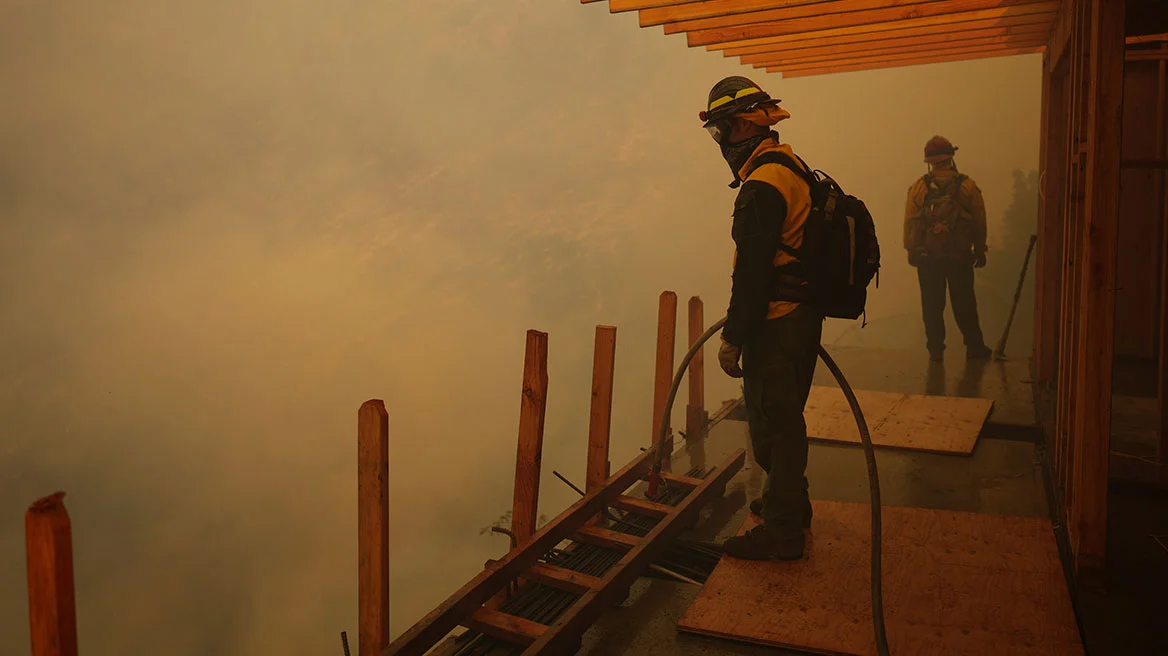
<point x="942" y="424"/>
<point x="955" y="584"/>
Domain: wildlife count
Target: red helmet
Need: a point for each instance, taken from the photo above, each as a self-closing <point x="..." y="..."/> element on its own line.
<point x="939" y="149"/>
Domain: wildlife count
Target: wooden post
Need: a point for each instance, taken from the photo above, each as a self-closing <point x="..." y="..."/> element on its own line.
<point x="663" y="379"/>
<point x="52" y="612"/>
<point x="1097" y="307"/>
<point x="600" y="419"/>
<point x="1162" y="387"/>
<point x="1050" y="223"/>
<point x="525" y="511"/>
<point x="695" y="413"/>
<point x="372" y="528"/>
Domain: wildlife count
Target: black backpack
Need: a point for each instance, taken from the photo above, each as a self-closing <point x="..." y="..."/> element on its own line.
<point x="839" y="255"/>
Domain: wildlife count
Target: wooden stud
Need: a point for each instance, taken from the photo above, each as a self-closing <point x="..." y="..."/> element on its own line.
<point x="1061" y="32"/>
<point x="1050" y="218"/>
<point x="841" y="12"/>
<point x="1147" y="38"/>
<point x="600" y="418"/>
<point x="837" y="46"/>
<point x="503" y="626"/>
<point x="603" y="537"/>
<point x="1033" y="42"/>
<point x="561" y="578"/>
<point x="663" y="376"/>
<point x="695" y="413"/>
<point x="1093" y="408"/>
<point x="793" y="72"/>
<point x="1162" y="386"/>
<point x="52" y="611"/>
<point x="934" y="13"/>
<point x="880" y="32"/>
<point x="525" y="511"/>
<point x="372" y="527"/>
<point x="641" y="506"/>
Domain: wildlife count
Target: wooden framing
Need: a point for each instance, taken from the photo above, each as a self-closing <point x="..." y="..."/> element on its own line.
<point x="939" y="13"/>
<point x="533" y="406"/>
<point x="52" y="611"/>
<point x="372" y="528"/>
<point x="1052" y="164"/>
<point x="880" y="32"/>
<point x="663" y="374"/>
<point x="1162" y="378"/>
<point x="903" y="52"/>
<point x="465" y="606"/>
<point x="600" y="416"/>
<point x="695" y="412"/>
<point x="827" y="47"/>
<point x="849" y="67"/>
<point x="841" y="12"/>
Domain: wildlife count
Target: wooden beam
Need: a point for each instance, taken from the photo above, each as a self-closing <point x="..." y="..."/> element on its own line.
<point x="1093" y="408"/>
<point x="1051" y="220"/>
<point x="1060" y="34"/>
<point x="52" y="611"/>
<point x="600" y="417"/>
<point x="843" y="12"/>
<point x="503" y="626"/>
<point x="619" y="6"/>
<point x="1147" y="38"/>
<point x="861" y="45"/>
<point x="689" y="12"/>
<point x="663" y="374"/>
<point x="603" y="537"/>
<point x="1162" y="382"/>
<point x="897" y="52"/>
<point x="372" y="527"/>
<point x="856" y="66"/>
<point x="525" y="511"/>
<point x="1146" y="55"/>
<point x="938" y="13"/>
<point x="568" y="627"/>
<point x="641" y="506"/>
<point x="878" y="32"/>
<point x="440" y="621"/>
<point x="562" y="578"/>
<point x="695" y="412"/>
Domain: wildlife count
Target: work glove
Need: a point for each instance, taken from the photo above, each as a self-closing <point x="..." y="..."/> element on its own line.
<point x="979" y="259"/>
<point x="728" y="359"/>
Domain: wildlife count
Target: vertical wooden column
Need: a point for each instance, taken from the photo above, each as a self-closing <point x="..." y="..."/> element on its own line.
<point x="1050" y="222"/>
<point x="600" y="418"/>
<point x="663" y="378"/>
<point x="1092" y="409"/>
<point x="52" y="613"/>
<point x="524" y="513"/>
<point x="695" y="413"/>
<point x="1162" y="387"/>
<point x="372" y="528"/>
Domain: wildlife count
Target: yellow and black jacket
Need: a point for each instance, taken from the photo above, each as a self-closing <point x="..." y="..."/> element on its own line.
<point x="771" y="209"/>
<point x="971" y="238"/>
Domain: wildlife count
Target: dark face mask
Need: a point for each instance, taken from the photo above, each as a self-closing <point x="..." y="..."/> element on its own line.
<point x="736" y="154"/>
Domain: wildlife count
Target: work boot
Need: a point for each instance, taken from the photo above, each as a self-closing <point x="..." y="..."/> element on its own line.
<point x="982" y="352"/>
<point x="756" y="508"/>
<point x="760" y="544"/>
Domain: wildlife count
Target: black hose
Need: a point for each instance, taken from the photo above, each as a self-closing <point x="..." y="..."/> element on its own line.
<point x="869" y="455"/>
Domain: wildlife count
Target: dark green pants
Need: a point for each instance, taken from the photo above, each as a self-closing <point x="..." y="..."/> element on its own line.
<point x="779" y="363"/>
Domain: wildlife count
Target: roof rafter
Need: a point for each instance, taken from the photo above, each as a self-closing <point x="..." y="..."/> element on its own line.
<point x="938" y="46"/>
<point x="841" y="67"/>
<point x="879" y="39"/>
<point x="886" y="30"/>
<point x="935" y="13"/>
<point x="801" y="48"/>
<point x="802" y="9"/>
<point x="690" y="11"/>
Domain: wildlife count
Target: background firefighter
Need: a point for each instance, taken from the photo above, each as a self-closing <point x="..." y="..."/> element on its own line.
<point x="945" y="237"/>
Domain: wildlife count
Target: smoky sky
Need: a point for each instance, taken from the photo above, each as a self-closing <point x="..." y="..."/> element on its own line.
<point x="225" y="225"/>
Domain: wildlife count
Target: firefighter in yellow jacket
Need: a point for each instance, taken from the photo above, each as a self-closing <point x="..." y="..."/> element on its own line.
<point x="945" y="237"/>
<point x="769" y="324"/>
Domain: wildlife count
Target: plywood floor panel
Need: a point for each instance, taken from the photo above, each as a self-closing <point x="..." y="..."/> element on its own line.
<point x="940" y="424"/>
<point x="955" y="584"/>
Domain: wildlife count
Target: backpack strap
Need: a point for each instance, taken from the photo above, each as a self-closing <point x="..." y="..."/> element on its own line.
<point x="782" y="159"/>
